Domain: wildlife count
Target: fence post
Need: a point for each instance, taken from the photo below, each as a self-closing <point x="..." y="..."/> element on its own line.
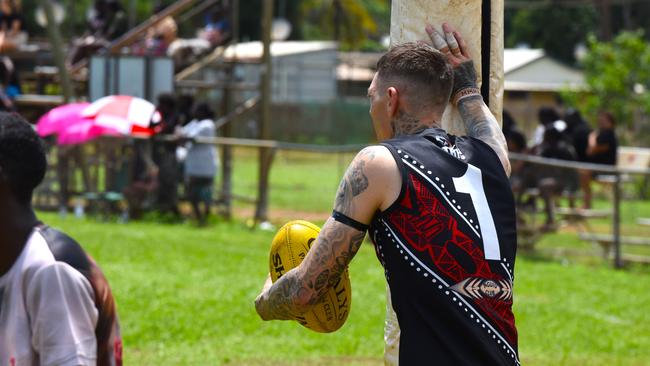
<point x="226" y="169"/>
<point x="266" y="154"/>
<point x="266" y="159"/>
<point x="616" y="229"/>
<point x="54" y="36"/>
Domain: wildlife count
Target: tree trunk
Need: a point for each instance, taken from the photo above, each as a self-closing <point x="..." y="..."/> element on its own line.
<point x="266" y="156"/>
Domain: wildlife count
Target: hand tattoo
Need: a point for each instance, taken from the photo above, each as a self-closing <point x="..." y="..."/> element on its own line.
<point x="304" y="286"/>
<point x="481" y="124"/>
<point x="464" y="77"/>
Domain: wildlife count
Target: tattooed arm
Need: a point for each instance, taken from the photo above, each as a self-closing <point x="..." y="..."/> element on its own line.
<point x="479" y="121"/>
<point x="481" y="124"/>
<point x="363" y="190"/>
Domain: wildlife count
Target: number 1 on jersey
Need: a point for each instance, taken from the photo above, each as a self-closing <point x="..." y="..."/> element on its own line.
<point x="472" y="183"/>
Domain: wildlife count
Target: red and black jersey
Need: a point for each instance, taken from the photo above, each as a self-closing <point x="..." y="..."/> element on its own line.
<point x="448" y="249"/>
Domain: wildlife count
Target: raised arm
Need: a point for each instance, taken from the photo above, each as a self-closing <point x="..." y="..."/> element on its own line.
<point x="477" y="117"/>
<point x="360" y="194"/>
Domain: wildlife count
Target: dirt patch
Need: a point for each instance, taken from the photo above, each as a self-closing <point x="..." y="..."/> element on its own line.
<point x="279" y="216"/>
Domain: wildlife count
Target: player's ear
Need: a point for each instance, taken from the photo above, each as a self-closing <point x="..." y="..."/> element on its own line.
<point x="392" y="101"/>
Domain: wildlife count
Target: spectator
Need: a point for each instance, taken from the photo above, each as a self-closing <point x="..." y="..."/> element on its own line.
<point x="164" y="156"/>
<point x="12" y="35"/>
<point x="216" y="32"/>
<point x="547" y="117"/>
<point x="9" y="84"/>
<point x="553" y="181"/>
<point x="515" y="139"/>
<point x="516" y="143"/>
<point x="114" y="23"/>
<point x="184" y="109"/>
<point x="141" y="191"/>
<point x="578" y="133"/>
<point x="201" y="161"/>
<point x="160" y="37"/>
<point x="217" y="27"/>
<point x="602" y="148"/>
<point x="107" y="22"/>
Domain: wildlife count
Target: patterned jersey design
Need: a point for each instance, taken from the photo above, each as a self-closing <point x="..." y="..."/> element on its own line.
<point x="454" y="212"/>
<point x="428" y="226"/>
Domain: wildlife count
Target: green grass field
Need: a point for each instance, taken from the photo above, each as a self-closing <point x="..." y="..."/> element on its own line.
<point x="185" y="295"/>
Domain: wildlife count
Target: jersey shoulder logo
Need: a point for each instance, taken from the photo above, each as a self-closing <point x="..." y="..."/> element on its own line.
<point x="449" y="148"/>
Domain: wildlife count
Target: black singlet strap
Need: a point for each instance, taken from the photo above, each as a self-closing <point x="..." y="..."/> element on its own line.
<point x="343" y="219"/>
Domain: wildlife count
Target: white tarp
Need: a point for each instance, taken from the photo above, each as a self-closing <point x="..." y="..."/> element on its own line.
<point x="408" y="18"/>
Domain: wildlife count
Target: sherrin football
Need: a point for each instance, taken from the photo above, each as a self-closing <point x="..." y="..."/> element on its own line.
<point x="289" y="247"/>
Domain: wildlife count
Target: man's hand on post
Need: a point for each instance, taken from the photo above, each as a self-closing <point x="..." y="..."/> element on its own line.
<point x="479" y="121"/>
<point x="454" y="47"/>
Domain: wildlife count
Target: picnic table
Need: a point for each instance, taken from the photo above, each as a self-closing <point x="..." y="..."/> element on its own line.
<point x="630" y="161"/>
<point x="643" y="221"/>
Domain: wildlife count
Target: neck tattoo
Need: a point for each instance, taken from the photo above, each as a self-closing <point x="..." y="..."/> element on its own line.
<point x="406" y="124"/>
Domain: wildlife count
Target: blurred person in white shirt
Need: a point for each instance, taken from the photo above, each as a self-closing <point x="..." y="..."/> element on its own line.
<point x="201" y="160"/>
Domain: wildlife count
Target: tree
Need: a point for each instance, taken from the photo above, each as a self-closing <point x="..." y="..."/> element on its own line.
<point x="559" y="25"/>
<point x="556" y="29"/>
<point x="346" y="21"/>
<point x="617" y="74"/>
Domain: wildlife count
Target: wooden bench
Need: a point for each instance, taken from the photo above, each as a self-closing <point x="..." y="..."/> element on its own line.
<point x="643" y="221"/>
<point x="606" y="240"/>
<point x="636" y="258"/>
<point x="580" y="214"/>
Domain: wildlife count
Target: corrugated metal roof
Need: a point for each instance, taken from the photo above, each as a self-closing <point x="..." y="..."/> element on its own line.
<point x="515" y="58"/>
<point x="524" y="70"/>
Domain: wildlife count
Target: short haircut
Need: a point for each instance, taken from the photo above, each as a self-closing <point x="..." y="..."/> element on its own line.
<point x="610" y="117"/>
<point x="22" y="156"/>
<point x="166" y="101"/>
<point x="547" y="115"/>
<point x="202" y="111"/>
<point x="421" y="73"/>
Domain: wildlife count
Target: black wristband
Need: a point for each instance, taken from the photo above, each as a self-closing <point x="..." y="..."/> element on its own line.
<point x="349" y="221"/>
<point x="464" y="77"/>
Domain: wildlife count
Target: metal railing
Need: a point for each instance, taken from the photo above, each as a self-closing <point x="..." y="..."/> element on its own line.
<point x="615" y="171"/>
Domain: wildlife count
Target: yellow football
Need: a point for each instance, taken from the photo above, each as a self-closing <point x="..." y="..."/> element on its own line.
<point x="289" y="247"/>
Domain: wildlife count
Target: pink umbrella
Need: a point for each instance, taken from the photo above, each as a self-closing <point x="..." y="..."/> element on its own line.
<point x="126" y="114"/>
<point x="58" y="118"/>
<point x="77" y="123"/>
<point x="84" y="131"/>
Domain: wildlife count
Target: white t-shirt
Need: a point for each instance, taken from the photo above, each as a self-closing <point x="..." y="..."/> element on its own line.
<point x="202" y="159"/>
<point x="47" y="311"/>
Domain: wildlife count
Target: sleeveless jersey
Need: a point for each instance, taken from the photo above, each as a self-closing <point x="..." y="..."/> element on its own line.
<point x="448" y="247"/>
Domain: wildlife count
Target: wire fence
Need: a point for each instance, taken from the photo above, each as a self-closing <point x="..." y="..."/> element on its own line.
<point x="304" y="179"/>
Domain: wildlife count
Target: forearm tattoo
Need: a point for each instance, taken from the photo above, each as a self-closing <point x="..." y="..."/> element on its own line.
<point x="299" y="289"/>
<point x="481" y="124"/>
<point x="464" y="77"/>
<point x="406" y="124"/>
